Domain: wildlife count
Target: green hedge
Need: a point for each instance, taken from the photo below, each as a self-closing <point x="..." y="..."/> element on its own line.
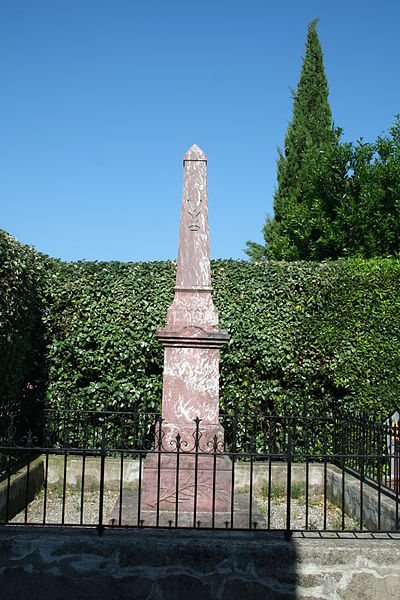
<point x="314" y="333"/>
<point x="302" y="334"/>
<point x="22" y="334"/>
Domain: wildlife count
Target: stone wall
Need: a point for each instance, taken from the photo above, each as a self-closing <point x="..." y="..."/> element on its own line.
<point x="131" y="473"/>
<point x="58" y="563"/>
<point x="17" y="492"/>
<point x="387" y="517"/>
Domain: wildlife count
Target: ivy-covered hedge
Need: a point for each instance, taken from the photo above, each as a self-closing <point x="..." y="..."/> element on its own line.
<point x="313" y="333"/>
<point x="302" y="334"/>
<point x="22" y="335"/>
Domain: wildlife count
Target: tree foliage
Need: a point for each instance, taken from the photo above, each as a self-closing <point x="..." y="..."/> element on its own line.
<point x="367" y="219"/>
<point x="310" y="172"/>
<point x="333" y="199"/>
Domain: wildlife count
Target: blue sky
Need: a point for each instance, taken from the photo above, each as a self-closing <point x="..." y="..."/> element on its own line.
<point x="100" y="99"/>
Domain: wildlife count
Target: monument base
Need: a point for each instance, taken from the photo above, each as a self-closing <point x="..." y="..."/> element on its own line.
<point x="175" y="481"/>
<point x="242" y="517"/>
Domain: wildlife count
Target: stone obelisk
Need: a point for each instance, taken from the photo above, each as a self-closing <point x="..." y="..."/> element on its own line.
<point x="191" y="341"/>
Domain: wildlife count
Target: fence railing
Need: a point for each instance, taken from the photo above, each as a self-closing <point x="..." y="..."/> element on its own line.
<point x="370" y="445"/>
<point x="268" y="472"/>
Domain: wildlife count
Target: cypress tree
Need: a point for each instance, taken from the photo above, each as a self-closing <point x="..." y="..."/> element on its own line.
<point x="310" y="170"/>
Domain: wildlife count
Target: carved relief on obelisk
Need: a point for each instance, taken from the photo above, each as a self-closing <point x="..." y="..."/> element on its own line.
<point x="191" y="341"/>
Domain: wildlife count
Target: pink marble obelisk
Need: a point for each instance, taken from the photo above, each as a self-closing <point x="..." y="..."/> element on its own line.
<point x="191" y="341"/>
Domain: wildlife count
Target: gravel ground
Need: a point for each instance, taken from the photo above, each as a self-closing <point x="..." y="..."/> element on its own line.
<point x="298" y="514"/>
<point x="72" y="513"/>
<point x="277" y="519"/>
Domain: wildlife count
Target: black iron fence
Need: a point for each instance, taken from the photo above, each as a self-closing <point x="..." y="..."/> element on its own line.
<point x="369" y="445"/>
<point x="261" y="471"/>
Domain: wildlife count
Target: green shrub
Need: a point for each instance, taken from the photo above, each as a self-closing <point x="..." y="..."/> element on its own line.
<point x="304" y="336"/>
<point x="315" y="334"/>
<point x="22" y="336"/>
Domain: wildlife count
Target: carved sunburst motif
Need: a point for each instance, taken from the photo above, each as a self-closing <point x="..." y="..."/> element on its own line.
<point x="187" y="488"/>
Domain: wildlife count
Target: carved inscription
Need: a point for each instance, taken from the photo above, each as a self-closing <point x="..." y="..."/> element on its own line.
<point x="194" y="210"/>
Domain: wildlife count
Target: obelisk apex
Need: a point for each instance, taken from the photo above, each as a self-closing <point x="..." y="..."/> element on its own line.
<point x="193" y="270"/>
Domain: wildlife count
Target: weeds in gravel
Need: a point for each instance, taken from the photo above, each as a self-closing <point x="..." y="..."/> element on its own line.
<point x="278" y="491"/>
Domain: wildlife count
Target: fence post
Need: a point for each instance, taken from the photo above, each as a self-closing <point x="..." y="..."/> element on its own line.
<point x="396" y="459"/>
<point x="234" y="458"/>
<point x="85" y="439"/>
<point x="215" y="448"/>
<point x="46" y="441"/>
<point x="343" y="450"/>
<point x="100" y="526"/>
<point x="288" y="531"/>
<point x="325" y="448"/>
<point x="11" y="443"/>
<point x="178" y="448"/>
<point x="196" y="468"/>
<point x="379" y="471"/>
<point x="121" y="467"/>
<point x="64" y="493"/>
<point x="252" y="452"/>
<point x="159" y="449"/>
<point x="361" y="458"/>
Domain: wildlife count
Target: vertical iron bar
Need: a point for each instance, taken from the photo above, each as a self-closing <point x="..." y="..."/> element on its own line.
<point x="288" y="480"/>
<point x="121" y="469"/>
<point x="233" y="491"/>
<point x="27" y="489"/>
<point x="178" y="447"/>
<point x="140" y="487"/>
<point x="361" y="462"/>
<point x="325" y="477"/>
<point x="344" y="446"/>
<point x="100" y="526"/>
<point x="135" y="427"/>
<point x="334" y="434"/>
<point x="234" y="451"/>
<point x="270" y="442"/>
<point x="121" y="487"/>
<point x="66" y="438"/>
<point x="47" y="441"/>
<point x="83" y="467"/>
<point x="379" y="475"/>
<point x="45" y="486"/>
<point x="388" y="433"/>
<point x="8" y="486"/>
<point x="396" y="470"/>
<point x="251" y="485"/>
<point x="373" y="465"/>
<point x="245" y="428"/>
<point x="215" y="447"/>
<point x="307" y="450"/>
<point x="371" y="449"/>
<point x="350" y="438"/>
<point x="159" y="442"/>
<point x="196" y="468"/>
<point x="11" y="441"/>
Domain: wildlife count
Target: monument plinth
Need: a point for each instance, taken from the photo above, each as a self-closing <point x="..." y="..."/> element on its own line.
<point x="191" y="341"/>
